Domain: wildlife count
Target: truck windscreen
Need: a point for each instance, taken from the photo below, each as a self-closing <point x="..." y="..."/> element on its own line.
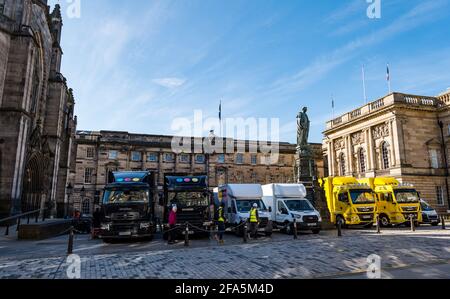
<point x="298" y="205"/>
<point x="362" y="197"/>
<point x="189" y="199"/>
<point x="407" y="196"/>
<point x="121" y="196"/>
<point x="244" y="205"/>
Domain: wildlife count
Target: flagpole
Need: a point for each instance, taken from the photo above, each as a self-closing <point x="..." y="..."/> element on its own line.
<point x="220" y="119"/>
<point x="364" y="84"/>
<point x="389" y="78"/>
<point x="332" y="106"/>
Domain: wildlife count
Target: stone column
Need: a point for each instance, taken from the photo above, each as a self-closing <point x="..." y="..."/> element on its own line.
<point x="397" y="137"/>
<point x="393" y="155"/>
<point x="371" y="151"/>
<point x="349" y="151"/>
<point x="330" y="159"/>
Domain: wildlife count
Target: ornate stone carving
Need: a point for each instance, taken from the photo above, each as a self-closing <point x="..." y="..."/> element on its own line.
<point x="381" y="131"/>
<point x="339" y="144"/>
<point x="358" y="138"/>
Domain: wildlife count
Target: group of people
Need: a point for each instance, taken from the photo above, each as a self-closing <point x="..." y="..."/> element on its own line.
<point x="220" y="220"/>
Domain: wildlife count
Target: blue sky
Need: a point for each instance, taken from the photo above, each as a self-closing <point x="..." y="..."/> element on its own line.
<point x="136" y="65"/>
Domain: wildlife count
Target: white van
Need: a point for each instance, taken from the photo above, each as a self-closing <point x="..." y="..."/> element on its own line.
<point x="239" y="199"/>
<point x="288" y="202"/>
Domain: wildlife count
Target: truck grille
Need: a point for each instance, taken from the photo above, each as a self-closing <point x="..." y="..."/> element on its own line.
<point x="310" y="219"/>
<point x="125" y="216"/>
<point x="263" y="221"/>
<point x="365" y="210"/>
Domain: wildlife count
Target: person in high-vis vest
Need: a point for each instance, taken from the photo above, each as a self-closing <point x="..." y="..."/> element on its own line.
<point x="221" y="222"/>
<point x="254" y="221"/>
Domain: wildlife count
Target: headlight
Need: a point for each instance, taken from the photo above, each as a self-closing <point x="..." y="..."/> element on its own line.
<point x="105" y="226"/>
<point x="144" y="225"/>
<point x="320" y="218"/>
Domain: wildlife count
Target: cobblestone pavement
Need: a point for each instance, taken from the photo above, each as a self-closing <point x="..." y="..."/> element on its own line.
<point x="280" y="257"/>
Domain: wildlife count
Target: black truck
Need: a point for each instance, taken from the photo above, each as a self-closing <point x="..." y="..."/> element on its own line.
<point x="193" y="200"/>
<point x="128" y="206"/>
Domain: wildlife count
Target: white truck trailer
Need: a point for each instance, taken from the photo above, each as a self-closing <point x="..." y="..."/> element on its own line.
<point x="239" y="199"/>
<point x="288" y="202"/>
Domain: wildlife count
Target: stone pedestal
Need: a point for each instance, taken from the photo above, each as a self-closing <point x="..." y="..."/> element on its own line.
<point x="306" y="171"/>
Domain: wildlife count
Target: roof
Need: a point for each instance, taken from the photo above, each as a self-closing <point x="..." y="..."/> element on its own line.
<point x="244" y="190"/>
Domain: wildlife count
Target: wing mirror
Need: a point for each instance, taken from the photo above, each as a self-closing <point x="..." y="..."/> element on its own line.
<point x="270" y="210"/>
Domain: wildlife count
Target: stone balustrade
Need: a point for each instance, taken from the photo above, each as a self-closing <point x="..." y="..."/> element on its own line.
<point x="394" y="98"/>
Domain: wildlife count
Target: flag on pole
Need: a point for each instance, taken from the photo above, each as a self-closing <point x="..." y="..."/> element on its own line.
<point x="388" y="78"/>
<point x="220" y="111"/>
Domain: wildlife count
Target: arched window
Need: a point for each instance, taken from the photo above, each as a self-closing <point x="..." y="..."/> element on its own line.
<point x="86" y="208"/>
<point x="342" y="164"/>
<point x="362" y="160"/>
<point x="385" y="155"/>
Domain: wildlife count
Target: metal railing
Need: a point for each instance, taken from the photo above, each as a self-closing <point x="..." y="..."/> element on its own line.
<point x="17" y="219"/>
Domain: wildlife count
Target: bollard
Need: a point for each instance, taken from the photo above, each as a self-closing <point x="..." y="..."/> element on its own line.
<point x="378" y="225"/>
<point x="186" y="236"/>
<point x="28" y="219"/>
<point x="411" y="219"/>
<point x="70" y="245"/>
<point x="295" y="229"/>
<point x="339" y="227"/>
<point x="18" y="224"/>
<point x="7" y="230"/>
<point x="245" y="233"/>
<point x="443" y="221"/>
<point x="37" y="217"/>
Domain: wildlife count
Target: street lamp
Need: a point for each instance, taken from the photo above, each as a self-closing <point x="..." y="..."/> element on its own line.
<point x="69" y="192"/>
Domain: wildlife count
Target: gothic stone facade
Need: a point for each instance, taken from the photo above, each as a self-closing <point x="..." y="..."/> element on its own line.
<point x="400" y="136"/>
<point x="37" y="126"/>
<point x="101" y="152"/>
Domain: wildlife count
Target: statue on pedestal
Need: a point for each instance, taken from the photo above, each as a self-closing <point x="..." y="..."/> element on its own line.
<point x="303" y="126"/>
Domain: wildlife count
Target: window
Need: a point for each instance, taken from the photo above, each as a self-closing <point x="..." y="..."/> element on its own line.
<point x="221" y="158"/>
<point x="112" y="155"/>
<point x="362" y="161"/>
<point x="136" y="156"/>
<point x="385" y="155"/>
<point x="168" y="157"/>
<point x="152" y="157"/>
<point x="86" y="207"/>
<point x="184" y="158"/>
<point x="434" y="159"/>
<point x="88" y="173"/>
<point x="440" y="195"/>
<point x="342" y="164"/>
<point x="239" y="159"/>
<point x="200" y="159"/>
<point x="281" y="208"/>
<point x="343" y="197"/>
<point x="90" y="152"/>
<point x="254" y="178"/>
<point x="2" y="8"/>
<point x="254" y="159"/>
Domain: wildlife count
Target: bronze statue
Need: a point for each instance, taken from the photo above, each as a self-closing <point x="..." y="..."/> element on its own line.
<point x="303" y="125"/>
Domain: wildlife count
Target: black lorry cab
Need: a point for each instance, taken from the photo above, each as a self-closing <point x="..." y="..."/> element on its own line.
<point x="128" y="206"/>
<point x="193" y="200"/>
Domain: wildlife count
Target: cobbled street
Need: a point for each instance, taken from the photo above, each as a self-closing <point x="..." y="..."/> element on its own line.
<point x="311" y="256"/>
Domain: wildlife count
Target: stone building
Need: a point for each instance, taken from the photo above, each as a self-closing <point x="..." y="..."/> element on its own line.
<point x="37" y="123"/>
<point x="400" y="135"/>
<point x="101" y="152"/>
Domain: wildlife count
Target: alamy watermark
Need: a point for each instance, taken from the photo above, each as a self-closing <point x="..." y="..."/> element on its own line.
<point x="244" y="135"/>
<point x="72" y="8"/>
<point x="374" y="9"/>
<point x="374" y="266"/>
<point x="73" y="266"/>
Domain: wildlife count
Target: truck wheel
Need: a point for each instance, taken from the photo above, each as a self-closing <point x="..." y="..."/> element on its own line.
<point x="384" y="220"/>
<point x="316" y="231"/>
<point x="341" y="220"/>
<point x="268" y="234"/>
<point x="289" y="229"/>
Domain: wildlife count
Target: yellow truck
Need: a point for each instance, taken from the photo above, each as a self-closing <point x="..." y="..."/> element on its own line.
<point x="396" y="202"/>
<point x="349" y="202"/>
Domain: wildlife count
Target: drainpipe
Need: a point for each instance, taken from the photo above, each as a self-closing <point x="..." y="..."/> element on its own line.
<point x="444" y="149"/>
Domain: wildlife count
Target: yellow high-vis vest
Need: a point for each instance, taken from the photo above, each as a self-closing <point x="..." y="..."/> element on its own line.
<point x="253" y="217"/>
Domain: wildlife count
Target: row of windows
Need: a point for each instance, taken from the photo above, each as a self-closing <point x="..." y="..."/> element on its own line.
<point x="385" y="163"/>
<point x="183" y="158"/>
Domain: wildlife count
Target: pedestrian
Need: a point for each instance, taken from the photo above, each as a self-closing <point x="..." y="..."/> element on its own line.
<point x="221" y="220"/>
<point x="254" y="221"/>
<point x="172" y="224"/>
<point x="96" y="222"/>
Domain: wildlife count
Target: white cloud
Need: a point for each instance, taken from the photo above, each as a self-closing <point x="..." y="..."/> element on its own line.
<point x="169" y="82"/>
